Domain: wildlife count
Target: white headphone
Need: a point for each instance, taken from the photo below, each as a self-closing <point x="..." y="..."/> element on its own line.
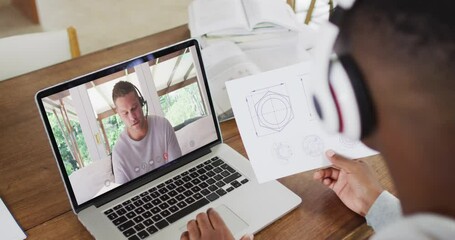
<point x="340" y="96"/>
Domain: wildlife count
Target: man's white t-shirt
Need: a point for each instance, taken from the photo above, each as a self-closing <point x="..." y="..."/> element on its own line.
<point x="131" y="159"/>
<point x="386" y="219"/>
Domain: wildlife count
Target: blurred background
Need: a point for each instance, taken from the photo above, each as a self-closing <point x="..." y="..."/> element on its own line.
<point x="99" y="24"/>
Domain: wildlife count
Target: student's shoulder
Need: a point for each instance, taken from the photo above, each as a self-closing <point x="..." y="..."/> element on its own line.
<point x="419" y="226"/>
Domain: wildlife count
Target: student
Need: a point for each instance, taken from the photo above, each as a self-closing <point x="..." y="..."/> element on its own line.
<point x="147" y="141"/>
<point x="406" y="52"/>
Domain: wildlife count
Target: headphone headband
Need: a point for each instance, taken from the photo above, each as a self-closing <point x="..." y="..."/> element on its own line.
<point x="140" y="97"/>
<point x="142" y="100"/>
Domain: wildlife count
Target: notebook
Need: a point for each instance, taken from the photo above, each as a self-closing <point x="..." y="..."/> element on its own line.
<point x="118" y="195"/>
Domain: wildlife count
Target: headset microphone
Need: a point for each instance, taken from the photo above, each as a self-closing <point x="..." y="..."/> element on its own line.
<point x="142" y="101"/>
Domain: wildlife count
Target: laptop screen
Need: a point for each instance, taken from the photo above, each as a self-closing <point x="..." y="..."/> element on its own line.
<point x="137" y="119"/>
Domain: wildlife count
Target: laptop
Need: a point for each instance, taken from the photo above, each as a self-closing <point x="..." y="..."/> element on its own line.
<point x="83" y="127"/>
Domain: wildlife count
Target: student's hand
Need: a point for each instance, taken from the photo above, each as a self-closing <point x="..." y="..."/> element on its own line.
<point x="208" y="226"/>
<point x="352" y="181"/>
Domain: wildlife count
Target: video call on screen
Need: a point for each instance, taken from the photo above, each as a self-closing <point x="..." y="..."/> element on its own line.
<point x="86" y="126"/>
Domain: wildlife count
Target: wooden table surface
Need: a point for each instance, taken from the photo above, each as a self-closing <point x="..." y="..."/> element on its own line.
<point x="31" y="187"/>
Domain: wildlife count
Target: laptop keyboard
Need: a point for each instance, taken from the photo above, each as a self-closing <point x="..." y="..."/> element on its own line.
<point x="164" y="204"/>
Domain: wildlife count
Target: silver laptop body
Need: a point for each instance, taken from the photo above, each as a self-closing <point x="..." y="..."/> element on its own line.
<point x="77" y="115"/>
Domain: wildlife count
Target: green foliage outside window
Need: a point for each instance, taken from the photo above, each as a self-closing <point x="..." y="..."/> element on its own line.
<point x="68" y="158"/>
<point x="182" y="104"/>
<point x="113" y="126"/>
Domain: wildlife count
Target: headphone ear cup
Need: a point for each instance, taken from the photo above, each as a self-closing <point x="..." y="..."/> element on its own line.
<point x="141" y="101"/>
<point x="354" y="103"/>
<point x="345" y="101"/>
<point x="323" y="102"/>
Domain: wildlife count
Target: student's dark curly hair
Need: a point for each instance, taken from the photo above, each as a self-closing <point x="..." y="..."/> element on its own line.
<point x="418" y="35"/>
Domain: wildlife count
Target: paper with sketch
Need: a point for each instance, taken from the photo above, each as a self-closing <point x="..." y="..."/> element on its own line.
<point x="279" y="127"/>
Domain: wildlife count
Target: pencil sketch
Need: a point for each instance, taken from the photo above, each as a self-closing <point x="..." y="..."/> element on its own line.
<point x="347" y="142"/>
<point x="270" y="109"/>
<point x="313" y="145"/>
<point x="308" y="98"/>
<point x="282" y="152"/>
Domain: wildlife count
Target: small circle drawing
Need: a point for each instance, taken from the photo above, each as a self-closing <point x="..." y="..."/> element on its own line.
<point x="282" y="152"/>
<point x="270" y="107"/>
<point x="313" y="145"/>
<point x="347" y="142"/>
<point x="274" y="111"/>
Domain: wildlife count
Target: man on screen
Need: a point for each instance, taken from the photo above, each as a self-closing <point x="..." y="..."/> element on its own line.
<point x="147" y="142"/>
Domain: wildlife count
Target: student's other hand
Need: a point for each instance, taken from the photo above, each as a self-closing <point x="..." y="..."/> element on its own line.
<point x="352" y="181"/>
<point x="208" y="226"/>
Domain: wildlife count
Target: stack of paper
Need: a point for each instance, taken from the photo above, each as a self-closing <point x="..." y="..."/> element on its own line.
<point x="237" y="18"/>
<point x="244" y="37"/>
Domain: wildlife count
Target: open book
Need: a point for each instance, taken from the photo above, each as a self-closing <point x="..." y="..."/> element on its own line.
<point x="240" y="17"/>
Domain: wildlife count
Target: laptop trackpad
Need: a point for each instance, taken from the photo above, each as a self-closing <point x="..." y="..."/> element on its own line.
<point x="233" y="222"/>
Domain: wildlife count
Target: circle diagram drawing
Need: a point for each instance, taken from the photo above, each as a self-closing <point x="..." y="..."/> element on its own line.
<point x="313" y="146"/>
<point x="270" y="109"/>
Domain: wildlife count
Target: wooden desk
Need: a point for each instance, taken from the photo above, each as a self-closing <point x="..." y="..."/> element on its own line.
<point x="31" y="186"/>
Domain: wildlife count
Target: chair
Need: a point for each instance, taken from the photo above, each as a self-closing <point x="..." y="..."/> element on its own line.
<point x="25" y="53"/>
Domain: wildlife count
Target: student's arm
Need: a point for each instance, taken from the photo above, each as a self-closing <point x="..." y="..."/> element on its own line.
<point x="356" y="186"/>
<point x="352" y="181"/>
<point x="385" y="209"/>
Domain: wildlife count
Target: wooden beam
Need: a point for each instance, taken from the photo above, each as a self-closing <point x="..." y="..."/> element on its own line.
<point x="310" y="12"/>
<point x="60" y="125"/>
<point x="70" y="130"/>
<point x="188" y="72"/>
<point x="94" y="83"/>
<point x="291" y="3"/>
<point x="106" y="140"/>
<point x="106" y="114"/>
<point x="176" y="86"/>
<point x="177" y="63"/>
<point x="74" y="43"/>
